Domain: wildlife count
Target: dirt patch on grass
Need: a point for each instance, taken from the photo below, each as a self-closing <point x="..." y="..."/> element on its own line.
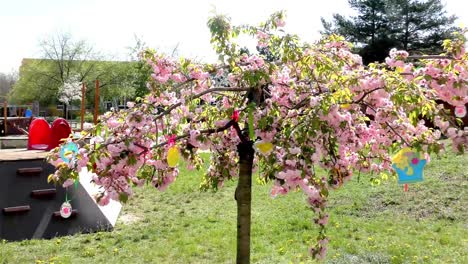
<point x="128" y="219"/>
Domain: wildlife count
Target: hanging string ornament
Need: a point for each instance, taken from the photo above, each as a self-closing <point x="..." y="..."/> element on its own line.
<point x="65" y="210"/>
<point x="409" y="166"/>
<point x="173" y="154"/>
<point x="68" y="154"/>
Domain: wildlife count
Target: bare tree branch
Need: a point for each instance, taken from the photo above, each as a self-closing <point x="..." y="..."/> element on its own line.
<point x="215" y="89"/>
<point x="366" y="94"/>
<point x="205" y="131"/>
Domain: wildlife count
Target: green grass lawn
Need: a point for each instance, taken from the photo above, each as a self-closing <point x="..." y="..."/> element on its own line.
<point x="368" y="224"/>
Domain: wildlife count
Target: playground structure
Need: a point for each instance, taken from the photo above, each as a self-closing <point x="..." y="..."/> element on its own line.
<point x="17" y="118"/>
<point x="14" y="125"/>
<point x="33" y="208"/>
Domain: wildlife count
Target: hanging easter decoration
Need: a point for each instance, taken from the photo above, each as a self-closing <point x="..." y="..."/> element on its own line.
<point x="66" y="210"/>
<point x="173" y="154"/>
<point x="460" y="111"/>
<point x="68" y="152"/>
<point x="263" y="147"/>
<point x="409" y="166"/>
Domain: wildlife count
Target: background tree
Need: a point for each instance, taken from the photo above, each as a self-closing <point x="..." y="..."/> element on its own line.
<point x="6" y="82"/>
<point x="413" y="25"/>
<point x="369" y="25"/>
<point x="116" y="80"/>
<point x="63" y="59"/>
<point x="140" y="71"/>
<point x="419" y="26"/>
<point x="70" y="91"/>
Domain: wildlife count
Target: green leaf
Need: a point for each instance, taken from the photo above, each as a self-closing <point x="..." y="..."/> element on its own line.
<point x="98" y="129"/>
<point x="131" y="160"/>
<point x="123" y="197"/>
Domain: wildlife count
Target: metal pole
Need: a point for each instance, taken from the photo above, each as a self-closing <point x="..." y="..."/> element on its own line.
<point x="5" y="111"/>
<point x="83" y="88"/>
<point x="96" y="102"/>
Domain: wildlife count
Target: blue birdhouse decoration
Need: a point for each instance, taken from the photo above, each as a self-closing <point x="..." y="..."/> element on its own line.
<point x="68" y="152"/>
<point x="409" y="166"/>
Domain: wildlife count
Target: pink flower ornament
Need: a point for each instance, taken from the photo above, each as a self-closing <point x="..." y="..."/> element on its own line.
<point x="66" y="210"/>
<point x="460" y="111"/>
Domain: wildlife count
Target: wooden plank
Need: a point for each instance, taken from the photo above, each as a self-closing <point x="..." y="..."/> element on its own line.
<point x="13" y="142"/>
<point x="14" y="137"/>
<point x="35" y="171"/>
<point x="16" y="209"/>
<point x="43" y="193"/>
<point x="57" y="213"/>
<point x="21" y="154"/>
<point x="14" y="118"/>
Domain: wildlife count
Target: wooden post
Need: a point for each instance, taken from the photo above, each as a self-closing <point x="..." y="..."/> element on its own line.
<point x="5" y="114"/>
<point x="83" y="88"/>
<point x="96" y="102"/>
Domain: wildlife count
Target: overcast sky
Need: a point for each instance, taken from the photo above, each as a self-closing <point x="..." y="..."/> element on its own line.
<point x="110" y="25"/>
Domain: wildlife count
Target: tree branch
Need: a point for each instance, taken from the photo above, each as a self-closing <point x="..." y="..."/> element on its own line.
<point x="366" y="94"/>
<point x="388" y="124"/>
<point x="205" y="131"/>
<point x="215" y="89"/>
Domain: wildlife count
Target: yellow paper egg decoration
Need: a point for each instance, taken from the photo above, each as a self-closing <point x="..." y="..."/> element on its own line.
<point x="173" y="156"/>
<point x="263" y="147"/>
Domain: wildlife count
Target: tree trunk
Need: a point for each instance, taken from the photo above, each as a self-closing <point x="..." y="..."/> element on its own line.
<point x="373" y="26"/>
<point x="65" y="110"/>
<point x="406" y="42"/>
<point x="243" y="197"/>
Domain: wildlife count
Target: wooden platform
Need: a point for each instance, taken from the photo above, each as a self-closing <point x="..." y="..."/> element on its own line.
<point x="14" y="142"/>
<point x="21" y="154"/>
<point x="29" y="205"/>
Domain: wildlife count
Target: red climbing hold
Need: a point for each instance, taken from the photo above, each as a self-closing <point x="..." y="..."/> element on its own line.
<point x="39" y="135"/>
<point x="60" y="130"/>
